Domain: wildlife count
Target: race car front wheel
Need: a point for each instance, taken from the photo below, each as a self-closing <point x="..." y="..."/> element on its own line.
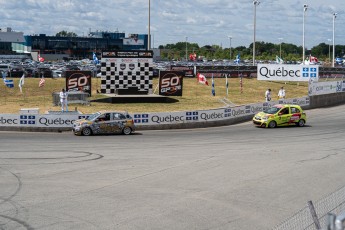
<point x="87" y="132"/>
<point x="272" y="124"/>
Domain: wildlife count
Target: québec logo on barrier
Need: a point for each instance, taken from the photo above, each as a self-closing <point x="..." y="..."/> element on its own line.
<point x="141" y="118"/>
<point x="27" y="120"/>
<point x="192" y="116"/>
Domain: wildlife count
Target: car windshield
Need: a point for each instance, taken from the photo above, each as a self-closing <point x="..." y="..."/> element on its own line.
<point x="93" y="116"/>
<point x="272" y="110"/>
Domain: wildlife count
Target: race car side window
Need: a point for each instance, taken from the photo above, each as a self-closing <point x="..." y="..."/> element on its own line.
<point x="119" y="116"/>
<point x="294" y="110"/>
<point x="116" y="116"/>
<point x="122" y="117"/>
<point x="284" y="111"/>
<point x="107" y="117"/>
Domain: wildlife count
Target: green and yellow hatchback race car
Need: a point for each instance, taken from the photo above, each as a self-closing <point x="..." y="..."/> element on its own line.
<point x="280" y="115"/>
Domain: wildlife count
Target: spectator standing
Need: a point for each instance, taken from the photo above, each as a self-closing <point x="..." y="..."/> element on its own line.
<point x="281" y="93"/>
<point x="268" y="95"/>
<point x="63" y="100"/>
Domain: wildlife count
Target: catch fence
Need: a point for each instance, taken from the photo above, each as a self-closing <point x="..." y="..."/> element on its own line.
<point x="303" y="220"/>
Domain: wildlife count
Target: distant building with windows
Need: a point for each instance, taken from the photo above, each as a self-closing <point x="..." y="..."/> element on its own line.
<point x="11" y="42"/>
<point x="55" y="48"/>
<point x="58" y="47"/>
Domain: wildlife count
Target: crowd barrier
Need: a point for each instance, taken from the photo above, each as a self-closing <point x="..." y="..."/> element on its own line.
<point x="320" y="95"/>
<point x="31" y="120"/>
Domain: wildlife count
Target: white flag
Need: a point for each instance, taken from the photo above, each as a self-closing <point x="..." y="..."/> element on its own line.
<point x="21" y="83"/>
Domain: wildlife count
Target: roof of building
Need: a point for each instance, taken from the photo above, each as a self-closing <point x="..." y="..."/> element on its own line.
<point x="10" y="36"/>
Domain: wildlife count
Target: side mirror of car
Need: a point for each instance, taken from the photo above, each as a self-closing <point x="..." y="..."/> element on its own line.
<point x="280" y="114"/>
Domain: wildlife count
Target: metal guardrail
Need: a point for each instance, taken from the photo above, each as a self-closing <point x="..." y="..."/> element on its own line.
<point x="72" y="98"/>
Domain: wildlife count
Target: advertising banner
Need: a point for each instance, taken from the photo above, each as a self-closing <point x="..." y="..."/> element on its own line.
<point x="142" y="119"/>
<point x="188" y="70"/>
<point x="78" y="81"/>
<point x="170" y="83"/>
<point x="327" y="87"/>
<point x="145" y="119"/>
<point x="133" y="39"/>
<point x="278" y="72"/>
<point x="39" y="120"/>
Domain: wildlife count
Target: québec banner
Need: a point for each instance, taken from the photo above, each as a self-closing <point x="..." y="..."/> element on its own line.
<point x="278" y="72"/>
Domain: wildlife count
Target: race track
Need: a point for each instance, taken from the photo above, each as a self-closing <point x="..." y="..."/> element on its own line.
<point x="233" y="177"/>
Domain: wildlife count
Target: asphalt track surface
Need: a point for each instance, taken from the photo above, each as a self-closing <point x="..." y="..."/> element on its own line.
<point x="232" y="177"/>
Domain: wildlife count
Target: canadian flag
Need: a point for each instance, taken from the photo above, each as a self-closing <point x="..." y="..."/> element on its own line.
<point x="40" y="59"/>
<point x="202" y="79"/>
<point x="313" y="59"/>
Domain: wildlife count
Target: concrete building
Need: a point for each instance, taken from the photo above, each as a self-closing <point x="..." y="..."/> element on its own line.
<point x="11" y="42"/>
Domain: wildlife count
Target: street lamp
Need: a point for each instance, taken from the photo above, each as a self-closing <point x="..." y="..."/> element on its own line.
<point x="329" y="49"/>
<point x="256" y="3"/>
<point x="186" y="47"/>
<point x="280" y="47"/>
<point x="305" y="7"/>
<point x="148" y="38"/>
<point x="230" y="45"/>
<point x="334" y="16"/>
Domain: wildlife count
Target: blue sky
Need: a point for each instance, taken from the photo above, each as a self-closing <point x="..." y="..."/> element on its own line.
<point x="206" y="22"/>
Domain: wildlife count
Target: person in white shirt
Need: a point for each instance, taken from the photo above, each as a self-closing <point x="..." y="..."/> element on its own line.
<point x="281" y="93"/>
<point x="63" y="100"/>
<point x="268" y="95"/>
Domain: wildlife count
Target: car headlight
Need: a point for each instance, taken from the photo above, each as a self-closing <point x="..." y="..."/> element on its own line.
<point x="264" y="118"/>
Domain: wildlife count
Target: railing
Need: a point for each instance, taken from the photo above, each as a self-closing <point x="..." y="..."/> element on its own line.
<point x="72" y="98"/>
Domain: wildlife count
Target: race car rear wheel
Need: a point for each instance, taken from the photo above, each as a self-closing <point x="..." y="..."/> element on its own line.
<point x="87" y="132"/>
<point x="127" y="130"/>
<point x="272" y="124"/>
<point x="301" y="123"/>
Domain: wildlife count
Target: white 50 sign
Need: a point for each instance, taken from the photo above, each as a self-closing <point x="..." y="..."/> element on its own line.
<point x="78" y="81"/>
<point x="170" y="83"/>
<point x="278" y="72"/>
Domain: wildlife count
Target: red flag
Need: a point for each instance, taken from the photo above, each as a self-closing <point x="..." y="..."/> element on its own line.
<point x="202" y="79"/>
<point x="40" y="59"/>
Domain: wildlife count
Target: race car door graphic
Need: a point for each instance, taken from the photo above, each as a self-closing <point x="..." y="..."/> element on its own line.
<point x="284" y="116"/>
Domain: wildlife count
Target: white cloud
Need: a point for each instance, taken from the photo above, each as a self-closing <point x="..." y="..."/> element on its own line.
<point x="205" y="22"/>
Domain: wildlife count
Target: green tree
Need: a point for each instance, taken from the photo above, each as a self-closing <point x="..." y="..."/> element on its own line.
<point x="64" y="33"/>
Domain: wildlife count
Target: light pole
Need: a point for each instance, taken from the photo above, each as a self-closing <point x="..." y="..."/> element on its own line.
<point x="305" y="7"/>
<point x="280" y="47"/>
<point x="148" y="38"/>
<point x="186" y="47"/>
<point x="329" y="49"/>
<point x="230" y="46"/>
<point x="334" y="16"/>
<point x="256" y="3"/>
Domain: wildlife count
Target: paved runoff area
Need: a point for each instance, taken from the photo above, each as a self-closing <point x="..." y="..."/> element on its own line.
<point x="231" y="177"/>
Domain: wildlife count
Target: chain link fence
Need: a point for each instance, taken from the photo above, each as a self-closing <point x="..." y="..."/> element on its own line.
<point x="303" y="220"/>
